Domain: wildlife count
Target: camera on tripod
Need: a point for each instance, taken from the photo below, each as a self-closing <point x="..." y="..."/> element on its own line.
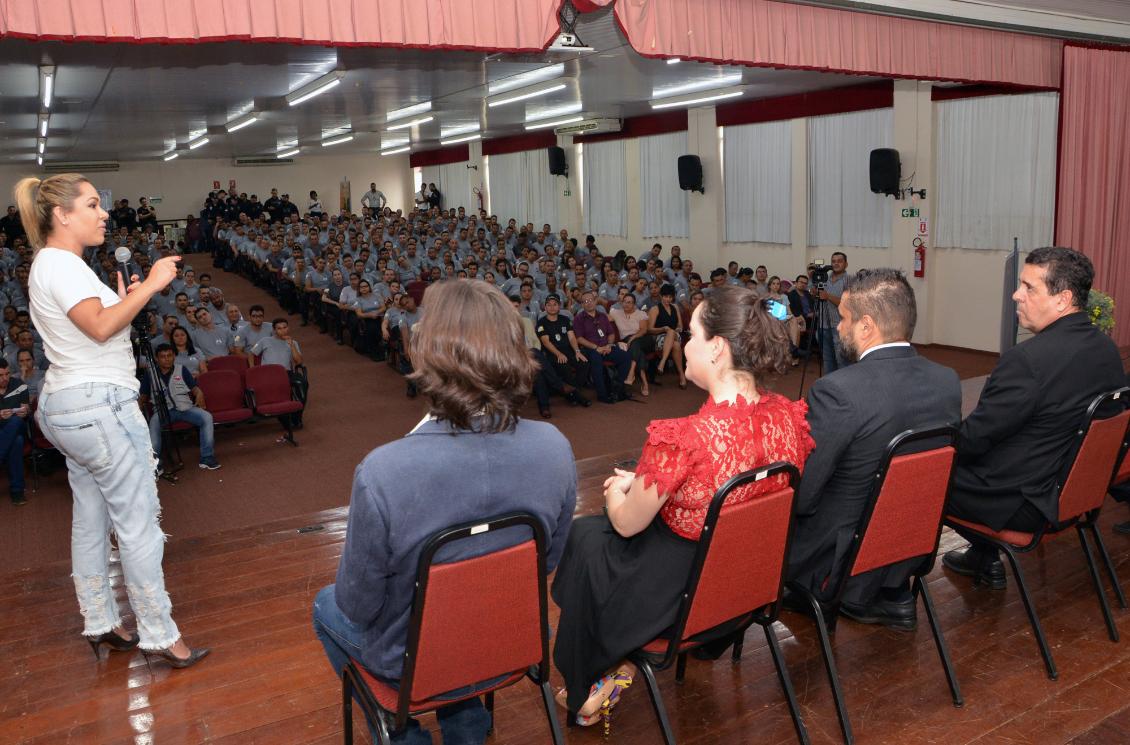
<point x="819" y="272"/>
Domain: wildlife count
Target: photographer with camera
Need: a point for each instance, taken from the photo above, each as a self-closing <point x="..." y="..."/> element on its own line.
<point x="88" y="410"/>
<point x="829" y="289"/>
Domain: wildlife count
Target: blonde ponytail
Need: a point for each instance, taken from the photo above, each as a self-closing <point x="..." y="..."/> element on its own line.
<point x="36" y="198"/>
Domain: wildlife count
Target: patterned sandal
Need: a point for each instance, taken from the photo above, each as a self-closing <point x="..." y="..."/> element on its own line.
<point x="621" y="681"/>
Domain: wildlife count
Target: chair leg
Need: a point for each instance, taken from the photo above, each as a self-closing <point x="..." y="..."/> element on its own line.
<point x="550" y="714"/>
<point x="488" y="703"/>
<point x="657" y="702"/>
<point x="736" y="654"/>
<point x="347" y="707"/>
<point x="1111" y="629"/>
<point x="830" y="666"/>
<point x="1109" y="565"/>
<point x="786" y="683"/>
<point x="1033" y="619"/>
<point x="939" y="641"/>
<point x="680" y="667"/>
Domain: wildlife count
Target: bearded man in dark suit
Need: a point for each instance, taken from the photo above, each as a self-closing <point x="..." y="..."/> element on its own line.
<point x="1015" y="443"/>
<point x="854" y="413"/>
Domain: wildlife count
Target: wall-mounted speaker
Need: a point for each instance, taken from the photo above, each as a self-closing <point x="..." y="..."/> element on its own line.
<point x="690" y="173"/>
<point x="886" y="171"/>
<point x="557" y="164"/>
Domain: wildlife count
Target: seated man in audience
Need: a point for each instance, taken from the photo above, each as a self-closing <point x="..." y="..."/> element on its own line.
<point x="210" y="339"/>
<point x="281" y="349"/>
<point x="1014" y="445"/>
<point x="14" y="397"/>
<point x="561" y="351"/>
<point x="854" y="414"/>
<point x="596" y="335"/>
<point x="185" y="404"/>
<point x="254" y="330"/>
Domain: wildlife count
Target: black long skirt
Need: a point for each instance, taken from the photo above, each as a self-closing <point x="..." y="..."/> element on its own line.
<point x="616" y="594"/>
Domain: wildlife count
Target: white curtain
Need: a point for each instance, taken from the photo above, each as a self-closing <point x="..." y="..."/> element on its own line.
<point x="842" y="211"/>
<point x="666" y="211"/>
<point x="453" y="183"/>
<point x="996" y="170"/>
<point x="605" y="189"/>
<point x="522" y="187"/>
<point x="757" y="160"/>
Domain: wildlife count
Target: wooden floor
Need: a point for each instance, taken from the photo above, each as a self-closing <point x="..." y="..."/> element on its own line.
<point x="247" y="593"/>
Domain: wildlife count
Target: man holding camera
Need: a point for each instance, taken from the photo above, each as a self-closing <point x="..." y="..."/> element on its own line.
<point x="185" y="404"/>
<point x="830" y="349"/>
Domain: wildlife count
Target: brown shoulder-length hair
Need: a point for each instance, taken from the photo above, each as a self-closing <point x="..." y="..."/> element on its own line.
<point x="470" y="358"/>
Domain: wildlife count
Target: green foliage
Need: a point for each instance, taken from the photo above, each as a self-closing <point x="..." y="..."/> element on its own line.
<point x="1100" y="309"/>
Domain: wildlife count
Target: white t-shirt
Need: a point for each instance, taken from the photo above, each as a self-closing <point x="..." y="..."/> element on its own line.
<point x="59" y="281"/>
<point x="625" y="324"/>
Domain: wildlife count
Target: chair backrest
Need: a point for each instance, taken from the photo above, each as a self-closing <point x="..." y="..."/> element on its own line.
<point x="739" y="564"/>
<point x="1122" y="475"/>
<point x="235" y="362"/>
<point x="478" y="618"/>
<point x="903" y="518"/>
<point x="223" y="390"/>
<point x="270" y="383"/>
<point x="1091" y="471"/>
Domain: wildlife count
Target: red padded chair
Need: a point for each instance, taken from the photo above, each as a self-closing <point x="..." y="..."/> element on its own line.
<point x="902" y="522"/>
<point x="269" y="389"/>
<point x="224" y="397"/>
<point x="735" y="582"/>
<point x="235" y="362"/>
<point x="1081" y="488"/>
<point x="479" y="619"/>
<point x="416" y="289"/>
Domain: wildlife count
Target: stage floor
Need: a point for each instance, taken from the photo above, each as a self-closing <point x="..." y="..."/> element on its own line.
<point x="246" y="593"/>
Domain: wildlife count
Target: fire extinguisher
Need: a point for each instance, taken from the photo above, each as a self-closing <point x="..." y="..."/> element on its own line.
<point x="919" y="258"/>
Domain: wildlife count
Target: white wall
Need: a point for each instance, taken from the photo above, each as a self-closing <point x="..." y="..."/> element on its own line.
<point x="183" y="184"/>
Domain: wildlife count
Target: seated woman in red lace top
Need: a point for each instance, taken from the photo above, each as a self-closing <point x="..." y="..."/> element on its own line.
<point x="622" y="573"/>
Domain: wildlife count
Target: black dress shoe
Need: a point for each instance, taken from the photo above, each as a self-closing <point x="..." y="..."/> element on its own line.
<point x="1123" y="528"/>
<point x="970" y="563"/>
<point x="18" y="498"/>
<point x="544" y="411"/>
<point x="894" y="614"/>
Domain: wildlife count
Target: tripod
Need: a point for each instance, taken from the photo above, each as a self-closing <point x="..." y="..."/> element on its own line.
<point x="819" y="317"/>
<point x="170" y="453"/>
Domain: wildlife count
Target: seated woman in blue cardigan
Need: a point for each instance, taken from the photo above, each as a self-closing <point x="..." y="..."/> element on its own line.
<point x="475" y="372"/>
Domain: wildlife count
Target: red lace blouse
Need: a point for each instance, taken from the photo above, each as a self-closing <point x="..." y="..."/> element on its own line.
<point x="689" y="458"/>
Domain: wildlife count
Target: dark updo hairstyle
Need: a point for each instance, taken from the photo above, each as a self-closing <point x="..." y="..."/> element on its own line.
<point x="470" y="357"/>
<point x="758" y="342"/>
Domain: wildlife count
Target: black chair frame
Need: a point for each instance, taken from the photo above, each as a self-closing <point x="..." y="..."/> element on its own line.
<point x="1088" y="523"/>
<point x="648" y="664"/>
<point x="351" y="678"/>
<point x="919" y="589"/>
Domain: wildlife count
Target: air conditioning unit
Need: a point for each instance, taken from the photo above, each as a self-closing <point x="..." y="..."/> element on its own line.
<point x="589" y="127"/>
<point x="90" y="167"/>
<point x="261" y="161"/>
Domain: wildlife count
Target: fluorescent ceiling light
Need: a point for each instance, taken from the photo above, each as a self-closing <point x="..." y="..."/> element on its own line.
<point x="464" y="138"/>
<point x="43" y="124"/>
<point x="396" y="151"/>
<point x="674" y="61"/>
<point x="410" y="123"/>
<point x="336" y="140"/>
<point x="286" y="153"/>
<point x="171" y="156"/>
<point x="542" y="89"/>
<point x="555" y="123"/>
<point x="459" y="130"/>
<point x="47" y="84"/>
<point x="399" y="142"/>
<point x="308" y="91"/>
<point x="418" y="108"/>
<point x="695" y="98"/>
<point x="556" y="111"/>
<point x="526" y="78"/>
<point x="198" y="143"/>
<point x="698" y="85"/>
<point x="42" y="146"/>
<point x="244" y="121"/>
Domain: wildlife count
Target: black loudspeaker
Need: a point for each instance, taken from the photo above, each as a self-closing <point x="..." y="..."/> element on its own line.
<point x="886" y="170"/>
<point x="690" y="173"/>
<point x="557" y="165"/>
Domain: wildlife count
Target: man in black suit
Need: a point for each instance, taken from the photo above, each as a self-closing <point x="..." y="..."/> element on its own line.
<point x="854" y="413"/>
<point x="1015" y="443"/>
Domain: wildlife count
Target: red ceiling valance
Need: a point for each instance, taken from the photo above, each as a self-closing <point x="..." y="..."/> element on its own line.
<point x="442" y="156"/>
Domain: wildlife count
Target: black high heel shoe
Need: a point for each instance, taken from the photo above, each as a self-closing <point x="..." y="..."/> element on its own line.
<point x="167" y="655"/>
<point x="111" y="640"/>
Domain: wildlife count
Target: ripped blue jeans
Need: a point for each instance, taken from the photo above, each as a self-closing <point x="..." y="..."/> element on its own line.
<point x="110" y="464"/>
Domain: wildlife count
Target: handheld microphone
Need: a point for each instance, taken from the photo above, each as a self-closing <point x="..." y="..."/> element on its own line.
<point x="122" y="255"/>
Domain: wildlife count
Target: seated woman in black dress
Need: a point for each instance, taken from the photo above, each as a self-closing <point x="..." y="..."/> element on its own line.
<point x="665" y="320"/>
<point x="622" y="574"/>
<point x="466" y="460"/>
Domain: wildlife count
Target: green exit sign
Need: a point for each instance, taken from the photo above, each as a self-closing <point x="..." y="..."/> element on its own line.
<point x="910" y="212"/>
